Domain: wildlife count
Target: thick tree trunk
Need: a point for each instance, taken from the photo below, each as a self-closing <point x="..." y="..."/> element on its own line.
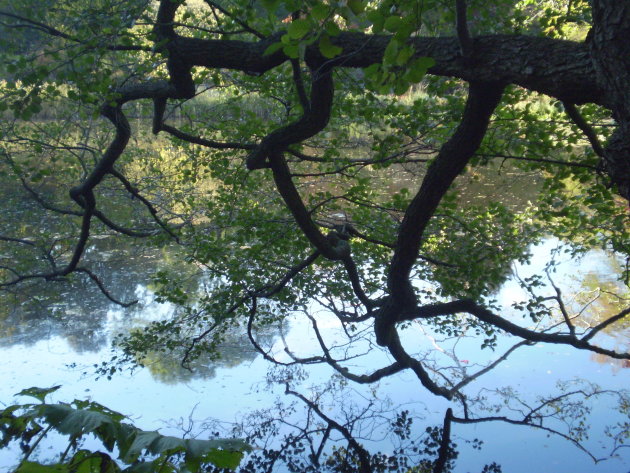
<point x="610" y="50"/>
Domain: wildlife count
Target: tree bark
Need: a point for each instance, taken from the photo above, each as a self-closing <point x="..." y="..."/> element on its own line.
<point x="610" y="51"/>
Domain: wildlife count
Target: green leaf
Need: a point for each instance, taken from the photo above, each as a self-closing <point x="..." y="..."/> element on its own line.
<point x="392" y="23"/>
<point x="291" y="50"/>
<point x="85" y="461"/>
<point x="377" y="20"/>
<point x="328" y="49"/>
<point x="224" y="458"/>
<point x="391" y="52"/>
<point x="357" y="6"/>
<point x="404" y="55"/>
<point x="372" y="71"/>
<point x="141" y="441"/>
<point x="426" y="62"/>
<point x="272" y="48"/>
<point x="38" y="393"/>
<point x="67" y="420"/>
<point x="131" y="442"/>
<point x="320" y="12"/>
<point x="34" y="467"/>
<point x="401" y="87"/>
<point x="299" y="28"/>
<point x="332" y="28"/>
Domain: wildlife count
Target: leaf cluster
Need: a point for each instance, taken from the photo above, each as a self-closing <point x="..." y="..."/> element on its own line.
<point x="137" y="450"/>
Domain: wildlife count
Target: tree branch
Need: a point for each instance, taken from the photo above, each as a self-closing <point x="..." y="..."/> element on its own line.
<point x="483" y="314"/>
<point x="465" y="42"/>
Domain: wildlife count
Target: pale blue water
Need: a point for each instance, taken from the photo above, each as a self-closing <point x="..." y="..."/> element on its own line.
<point x="237" y="388"/>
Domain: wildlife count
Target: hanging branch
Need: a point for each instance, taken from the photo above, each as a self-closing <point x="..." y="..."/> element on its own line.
<point x="103" y="289"/>
<point x="299" y="84"/>
<point x="445" y="441"/>
<point x="582" y="124"/>
<point x="463" y="35"/>
<point x="376" y="375"/>
<point x="36" y="25"/>
<point x="227" y="13"/>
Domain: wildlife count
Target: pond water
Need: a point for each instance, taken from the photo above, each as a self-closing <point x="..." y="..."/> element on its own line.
<point x="47" y="339"/>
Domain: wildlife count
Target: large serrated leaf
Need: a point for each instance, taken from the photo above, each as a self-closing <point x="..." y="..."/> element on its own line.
<point x="141" y="441"/>
<point x="38" y="393"/>
<point x="70" y="421"/>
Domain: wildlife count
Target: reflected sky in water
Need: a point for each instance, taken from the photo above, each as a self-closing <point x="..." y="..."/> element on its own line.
<point x="62" y="342"/>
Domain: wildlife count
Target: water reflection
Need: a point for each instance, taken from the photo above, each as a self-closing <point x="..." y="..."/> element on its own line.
<point x="73" y="310"/>
<point x="81" y="321"/>
<point x="615" y="365"/>
<point x="72" y="307"/>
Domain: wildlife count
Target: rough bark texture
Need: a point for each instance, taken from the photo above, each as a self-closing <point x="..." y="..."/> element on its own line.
<point x="610" y="49"/>
<point x="562" y="69"/>
<point x="577" y="73"/>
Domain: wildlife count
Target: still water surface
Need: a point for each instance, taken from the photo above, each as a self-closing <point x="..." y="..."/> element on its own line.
<point x="46" y="341"/>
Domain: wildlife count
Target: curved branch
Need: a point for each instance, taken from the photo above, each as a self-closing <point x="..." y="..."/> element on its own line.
<point x="299" y="84"/>
<point x="615" y="318"/>
<point x="490" y="367"/>
<point x="400" y="355"/>
<point x="538" y="160"/>
<point x="507" y="420"/>
<point x="471" y="307"/>
<point x="588" y="130"/>
<point x="342" y="370"/>
<point x="313" y="120"/>
<point x="241" y="23"/>
<point x="449" y="163"/>
<point x="264" y="353"/>
<point x="152" y="210"/>
<point x="205" y="142"/>
<point x="103" y="289"/>
<point x="83" y="195"/>
<point x="264" y="292"/>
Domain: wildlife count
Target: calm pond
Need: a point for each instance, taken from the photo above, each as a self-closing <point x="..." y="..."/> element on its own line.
<point x="59" y="334"/>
